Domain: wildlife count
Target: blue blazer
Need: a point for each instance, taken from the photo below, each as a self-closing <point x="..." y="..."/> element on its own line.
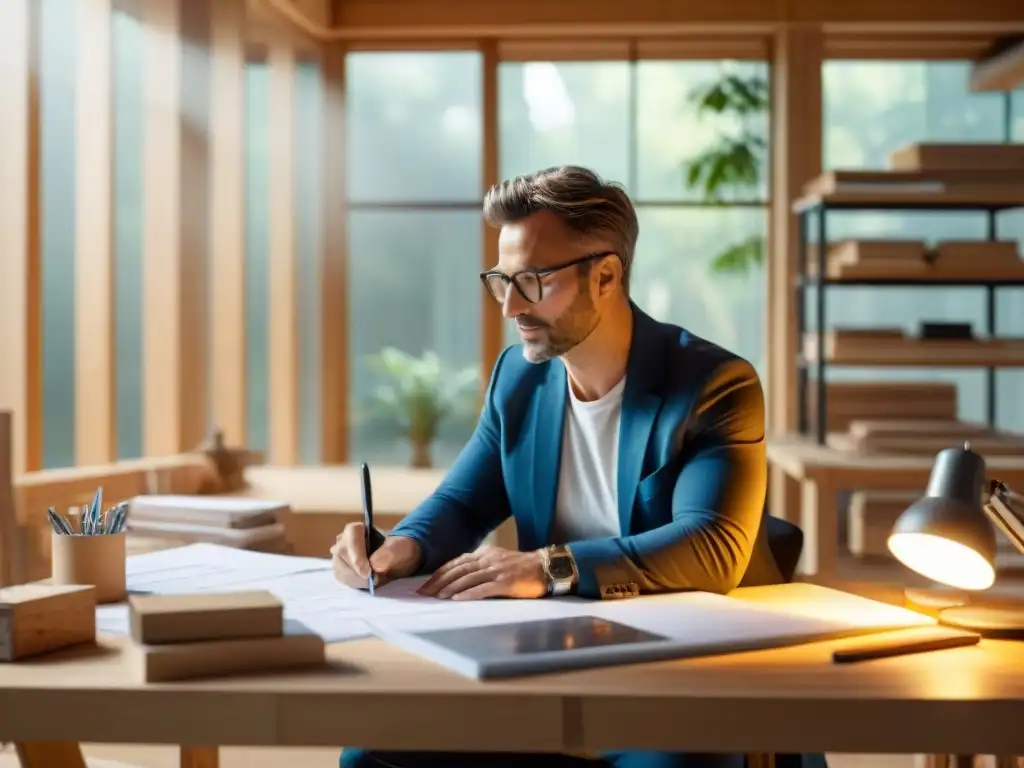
<point x="692" y="469"/>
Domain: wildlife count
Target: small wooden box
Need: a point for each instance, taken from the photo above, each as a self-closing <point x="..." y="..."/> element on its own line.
<point x="157" y="619"/>
<point x="37" y="618"/>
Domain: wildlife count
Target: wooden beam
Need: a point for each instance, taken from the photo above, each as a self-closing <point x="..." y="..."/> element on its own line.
<point x="367" y="19"/>
<point x="95" y="297"/>
<point x="334" y="260"/>
<point x="228" y="368"/>
<point x="1001" y="68"/>
<point x="492" y="333"/>
<point x="283" y="257"/>
<point x="20" y="276"/>
<point x="796" y="147"/>
<point x="175" y="234"/>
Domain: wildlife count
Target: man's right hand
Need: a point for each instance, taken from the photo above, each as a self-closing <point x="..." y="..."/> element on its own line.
<point x="397" y="558"/>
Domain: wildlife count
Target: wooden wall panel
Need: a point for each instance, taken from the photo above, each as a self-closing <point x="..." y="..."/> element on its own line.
<point x="334" y="319"/>
<point x="95" y="294"/>
<point x="21" y="382"/>
<point x="175" y="232"/>
<point x="228" y="359"/>
<point x="796" y="121"/>
<point x="283" y="268"/>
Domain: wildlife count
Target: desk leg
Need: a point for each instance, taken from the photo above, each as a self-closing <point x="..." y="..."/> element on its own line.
<point x="819" y="518"/>
<point x="50" y="754"/>
<point x="200" y="757"/>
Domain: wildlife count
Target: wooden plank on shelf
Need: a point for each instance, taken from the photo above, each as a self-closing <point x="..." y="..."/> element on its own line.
<point x="848" y="348"/>
<point x="947" y="261"/>
<point x="919" y="194"/>
<point x="937" y="156"/>
<point x="833" y="182"/>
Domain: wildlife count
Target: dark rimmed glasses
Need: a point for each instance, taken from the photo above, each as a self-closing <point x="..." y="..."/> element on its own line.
<point x="528" y="282"/>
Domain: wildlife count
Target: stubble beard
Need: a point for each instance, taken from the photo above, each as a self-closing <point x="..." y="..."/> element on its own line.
<point x="567" y="332"/>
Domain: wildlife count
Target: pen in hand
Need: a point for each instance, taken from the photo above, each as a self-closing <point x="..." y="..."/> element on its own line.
<point x="373" y="537"/>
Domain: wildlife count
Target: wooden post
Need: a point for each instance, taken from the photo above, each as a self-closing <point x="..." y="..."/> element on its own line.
<point x="283" y="267"/>
<point x="334" y="260"/>
<point x="229" y="384"/>
<point x="21" y="384"/>
<point x="796" y="159"/>
<point x="175" y="223"/>
<point x="95" y="355"/>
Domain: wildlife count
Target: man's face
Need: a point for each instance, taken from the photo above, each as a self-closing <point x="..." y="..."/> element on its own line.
<point x="566" y="312"/>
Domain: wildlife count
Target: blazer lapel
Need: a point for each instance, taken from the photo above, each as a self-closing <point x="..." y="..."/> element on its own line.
<point x="548" y="423"/>
<point x="641" y="402"/>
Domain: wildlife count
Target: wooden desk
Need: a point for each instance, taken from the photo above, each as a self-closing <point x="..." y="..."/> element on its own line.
<point x="789" y="700"/>
<point x="823" y="473"/>
<point x="324" y="499"/>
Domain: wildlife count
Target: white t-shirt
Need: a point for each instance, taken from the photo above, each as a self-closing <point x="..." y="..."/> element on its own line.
<point x="587" y="506"/>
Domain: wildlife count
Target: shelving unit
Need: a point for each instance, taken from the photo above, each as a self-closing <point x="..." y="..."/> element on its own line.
<point x="904" y="192"/>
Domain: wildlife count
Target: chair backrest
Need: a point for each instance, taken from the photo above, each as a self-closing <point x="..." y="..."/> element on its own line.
<point x="786" y="542"/>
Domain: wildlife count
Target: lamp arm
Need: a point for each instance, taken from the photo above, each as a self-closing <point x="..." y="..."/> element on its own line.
<point x="1006" y="509"/>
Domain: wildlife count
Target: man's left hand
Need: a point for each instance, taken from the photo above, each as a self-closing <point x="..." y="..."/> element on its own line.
<point x="489" y="572"/>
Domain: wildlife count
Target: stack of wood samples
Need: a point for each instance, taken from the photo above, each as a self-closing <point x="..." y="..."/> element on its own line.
<point x="180" y="637"/>
<point x="894" y="346"/>
<point x="914" y="260"/>
<point x="919" y="437"/>
<point x="848" y="401"/>
<point x="243" y="523"/>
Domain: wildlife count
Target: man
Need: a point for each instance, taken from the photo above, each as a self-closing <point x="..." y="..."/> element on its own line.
<point x="630" y="453"/>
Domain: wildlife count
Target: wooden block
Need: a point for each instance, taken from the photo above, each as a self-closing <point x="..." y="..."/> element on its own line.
<point x="935" y="156"/>
<point x="977" y="254"/>
<point x="184" y="661"/>
<point x="156" y="619"/>
<point x="871" y="518"/>
<point x="37" y="618"/>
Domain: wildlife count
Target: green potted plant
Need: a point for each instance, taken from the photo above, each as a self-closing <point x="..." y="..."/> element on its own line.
<point x="417" y="394"/>
<point x="732" y="164"/>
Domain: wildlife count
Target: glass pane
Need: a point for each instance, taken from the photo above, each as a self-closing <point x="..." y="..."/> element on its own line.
<point x="873" y="107"/>
<point x="128" y="50"/>
<point x="870" y="109"/>
<point x="257" y="253"/>
<point x="57" y="107"/>
<point x="574" y="113"/>
<point x="415" y="131"/>
<point x="703" y="114"/>
<point x="673" y="279"/>
<point x="414" y="287"/>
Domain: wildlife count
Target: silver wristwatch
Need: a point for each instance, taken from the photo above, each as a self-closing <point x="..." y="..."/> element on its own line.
<point x="559" y="569"/>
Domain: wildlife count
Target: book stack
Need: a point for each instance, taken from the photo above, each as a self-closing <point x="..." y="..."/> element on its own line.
<point x="253" y="524"/>
<point x="180" y="637"/>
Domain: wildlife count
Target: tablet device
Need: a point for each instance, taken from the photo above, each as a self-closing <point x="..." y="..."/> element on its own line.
<point x="530" y="647"/>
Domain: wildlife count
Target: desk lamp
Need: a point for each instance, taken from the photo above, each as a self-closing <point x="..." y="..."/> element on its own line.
<point x="948" y="536"/>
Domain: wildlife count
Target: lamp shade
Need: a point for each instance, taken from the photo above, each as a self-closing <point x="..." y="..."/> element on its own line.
<point x="945" y="536"/>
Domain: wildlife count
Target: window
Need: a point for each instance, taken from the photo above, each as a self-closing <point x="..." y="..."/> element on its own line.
<point x="870" y="109"/>
<point x="415" y="238"/>
<point x="638" y="124"/>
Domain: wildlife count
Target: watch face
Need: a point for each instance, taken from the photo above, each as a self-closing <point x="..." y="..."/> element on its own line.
<point x="560" y="567"/>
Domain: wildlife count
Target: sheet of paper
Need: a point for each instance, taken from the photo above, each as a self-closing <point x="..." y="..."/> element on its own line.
<point x="201" y="568"/>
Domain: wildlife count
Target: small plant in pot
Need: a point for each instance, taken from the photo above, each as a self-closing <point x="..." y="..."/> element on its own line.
<point x="418" y="394"/>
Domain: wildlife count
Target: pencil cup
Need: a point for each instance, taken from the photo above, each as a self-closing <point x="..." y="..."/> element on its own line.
<point x="98" y="560"/>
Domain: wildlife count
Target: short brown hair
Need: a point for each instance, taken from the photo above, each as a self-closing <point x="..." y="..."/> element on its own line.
<point x="579" y="197"/>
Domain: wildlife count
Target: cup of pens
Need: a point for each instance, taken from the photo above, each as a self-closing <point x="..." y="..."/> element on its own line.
<point x="88" y="547"/>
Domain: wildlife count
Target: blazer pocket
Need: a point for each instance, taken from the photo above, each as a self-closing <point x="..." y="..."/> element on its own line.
<point x="659" y="483"/>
